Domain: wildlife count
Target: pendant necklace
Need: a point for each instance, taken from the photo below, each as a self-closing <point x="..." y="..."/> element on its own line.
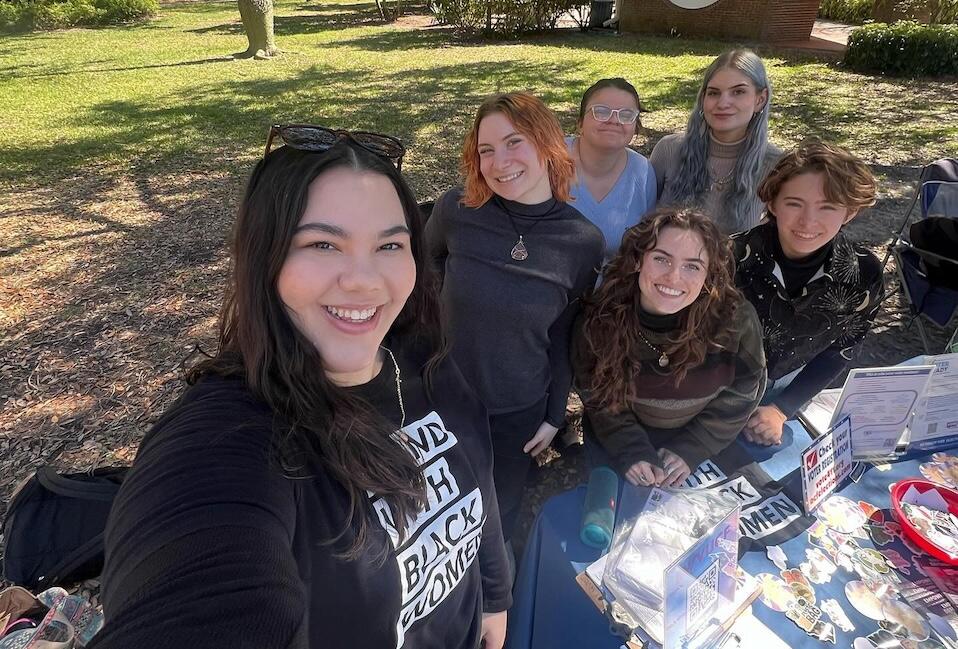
<point x="663" y="357"/>
<point x="719" y="184"/>
<point x="402" y="408"/>
<point x="519" y="251"/>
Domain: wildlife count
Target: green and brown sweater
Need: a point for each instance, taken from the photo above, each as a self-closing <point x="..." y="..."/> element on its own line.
<point x="696" y="419"/>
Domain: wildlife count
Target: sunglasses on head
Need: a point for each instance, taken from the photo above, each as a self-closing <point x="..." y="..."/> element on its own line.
<point x="308" y="137"/>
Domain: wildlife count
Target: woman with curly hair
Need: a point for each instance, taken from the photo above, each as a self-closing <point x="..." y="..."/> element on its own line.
<point x="816" y="291"/>
<point x="667" y="354"/>
<point x="724" y="153"/>
<point x="516" y="257"/>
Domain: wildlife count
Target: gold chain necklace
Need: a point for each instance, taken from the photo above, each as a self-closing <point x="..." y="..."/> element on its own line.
<point x="402" y="407"/>
<point x="663" y="357"/>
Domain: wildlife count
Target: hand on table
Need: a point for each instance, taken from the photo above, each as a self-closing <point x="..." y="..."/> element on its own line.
<point x="765" y="426"/>
<point x="643" y="474"/>
<point x="493" y="630"/>
<point x="676" y="469"/>
<point x="541" y="440"/>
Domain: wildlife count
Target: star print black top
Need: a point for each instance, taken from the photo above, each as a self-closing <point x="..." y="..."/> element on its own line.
<point x="818" y="327"/>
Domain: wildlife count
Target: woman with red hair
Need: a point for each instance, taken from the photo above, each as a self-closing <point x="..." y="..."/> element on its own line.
<point x="516" y="258"/>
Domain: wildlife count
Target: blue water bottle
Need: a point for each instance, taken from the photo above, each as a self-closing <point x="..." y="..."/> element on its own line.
<point x="598" y="512"/>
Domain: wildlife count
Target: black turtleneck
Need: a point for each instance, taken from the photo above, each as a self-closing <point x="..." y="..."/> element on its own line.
<point x="798" y="272"/>
<point x="660" y="324"/>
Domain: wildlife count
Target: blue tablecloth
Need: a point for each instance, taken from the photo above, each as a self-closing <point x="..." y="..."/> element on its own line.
<point x="551" y="611"/>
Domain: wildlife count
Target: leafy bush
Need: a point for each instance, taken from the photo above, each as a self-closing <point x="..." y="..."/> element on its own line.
<point x="18" y="15"/>
<point x="945" y="11"/>
<point x="853" y="12"/>
<point x="501" y="17"/>
<point x="904" y="48"/>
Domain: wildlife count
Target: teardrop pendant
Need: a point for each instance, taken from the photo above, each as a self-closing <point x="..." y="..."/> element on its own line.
<point x="663" y="360"/>
<point x="519" y="252"/>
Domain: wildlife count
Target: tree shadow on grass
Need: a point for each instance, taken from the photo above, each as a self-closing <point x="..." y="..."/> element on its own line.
<point x="309" y="20"/>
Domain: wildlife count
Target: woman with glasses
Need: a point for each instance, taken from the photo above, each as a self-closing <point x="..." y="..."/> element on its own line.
<point x="614" y="185"/>
<point x="326" y="478"/>
<point x="816" y="291"/>
<point x="516" y="257"/>
<point x="718" y="162"/>
<point x="667" y="353"/>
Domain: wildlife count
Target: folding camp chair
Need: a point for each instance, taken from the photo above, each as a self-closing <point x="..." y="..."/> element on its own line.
<point x="927" y="257"/>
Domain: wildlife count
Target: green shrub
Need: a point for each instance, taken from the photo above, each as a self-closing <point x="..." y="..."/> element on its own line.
<point x="501" y="17"/>
<point x="904" y="48"/>
<point x="853" y="12"/>
<point x="18" y="15"/>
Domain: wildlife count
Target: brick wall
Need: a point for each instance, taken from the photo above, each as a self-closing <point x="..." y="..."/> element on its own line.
<point x="760" y="20"/>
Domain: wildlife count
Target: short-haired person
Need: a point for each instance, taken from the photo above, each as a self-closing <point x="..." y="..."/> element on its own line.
<point x="816" y="291"/>
<point x="327" y="462"/>
<point x="719" y="161"/>
<point x="614" y="185"/>
<point x="667" y="353"/>
<point x="516" y="257"/>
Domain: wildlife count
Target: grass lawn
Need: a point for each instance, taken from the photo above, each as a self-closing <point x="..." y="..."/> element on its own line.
<point x="122" y="151"/>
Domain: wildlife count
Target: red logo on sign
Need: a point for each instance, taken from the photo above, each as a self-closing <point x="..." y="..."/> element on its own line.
<point x="811" y="460"/>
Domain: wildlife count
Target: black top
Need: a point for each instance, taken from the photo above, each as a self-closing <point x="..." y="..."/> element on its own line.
<point x="821" y="328"/>
<point x="209" y="545"/>
<point x="796" y="273"/>
<point x="510" y="321"/>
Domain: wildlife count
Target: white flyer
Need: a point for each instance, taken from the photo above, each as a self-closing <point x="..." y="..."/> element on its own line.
<point x="880" y="402"/>
<point x="936" y="419"/>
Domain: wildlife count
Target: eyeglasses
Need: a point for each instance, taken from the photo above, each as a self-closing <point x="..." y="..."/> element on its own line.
<point x="308" y="137"/>
<point x="622" y="115"/>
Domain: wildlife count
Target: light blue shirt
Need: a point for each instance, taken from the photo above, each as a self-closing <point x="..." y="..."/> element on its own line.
<point x="631" y="198"/>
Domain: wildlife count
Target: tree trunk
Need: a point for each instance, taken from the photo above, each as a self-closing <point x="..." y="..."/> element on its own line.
<point x="257" y="16"/>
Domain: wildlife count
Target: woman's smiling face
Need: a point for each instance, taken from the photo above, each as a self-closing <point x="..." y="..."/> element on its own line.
<point x="349" y="270"/>
<point x="673" y="272"/>
<point x="510" y="163"/>
<point x="806" y="220"/>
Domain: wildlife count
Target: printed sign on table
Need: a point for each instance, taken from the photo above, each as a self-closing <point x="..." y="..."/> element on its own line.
<point x="826" y="463"/>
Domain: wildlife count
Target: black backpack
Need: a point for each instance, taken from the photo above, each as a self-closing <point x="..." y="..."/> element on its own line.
<point x="53" y="530"/>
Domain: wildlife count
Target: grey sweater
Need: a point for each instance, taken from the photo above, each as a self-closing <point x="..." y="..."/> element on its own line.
<point x="510" y="321"/>
<point x="666" y="160"/>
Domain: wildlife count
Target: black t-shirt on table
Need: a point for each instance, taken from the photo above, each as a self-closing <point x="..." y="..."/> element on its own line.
<point x="209" y="545"/>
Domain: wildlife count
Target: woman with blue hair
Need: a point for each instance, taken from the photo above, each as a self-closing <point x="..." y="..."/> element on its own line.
<point x="719" y="161"/>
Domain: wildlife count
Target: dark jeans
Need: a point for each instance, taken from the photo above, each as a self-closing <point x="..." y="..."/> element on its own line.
<point x="510" y="431"/>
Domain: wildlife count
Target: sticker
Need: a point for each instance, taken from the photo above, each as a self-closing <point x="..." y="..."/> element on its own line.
<point x="804" y="614"/>
<point x="836" y="614"/>
<point x="864" y="600"/>
<point x="775" y="593"/>
<point x="777" y="556"/>
<point x="824" y="631"/>
<point x="841" y="514"/>
<point x="819" y="568"/>
<point x="898" y="612"/>
<point x="867" y="508"/>
<point x="900" y="563"/>
<point x="878" y="534"/>
<point x="892" y="528"/>
<point x="794" y="575"/>
<point x="802" y="591"/>
<point x="872" y="559"/>
<point x="862" y="643"/>
<point x="882" y="639"/>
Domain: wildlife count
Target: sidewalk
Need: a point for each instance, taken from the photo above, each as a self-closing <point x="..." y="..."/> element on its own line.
<point x="827" y="36"/>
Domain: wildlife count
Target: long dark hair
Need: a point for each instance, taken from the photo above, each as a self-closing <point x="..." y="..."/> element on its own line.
<point x="611" y="315"/>
<point x="315" y="419"/>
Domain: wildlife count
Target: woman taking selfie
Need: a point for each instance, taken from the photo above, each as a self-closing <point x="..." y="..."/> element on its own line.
<point x="516" y="257"/>
<point x="614" y="185"/>
<point x="293" y="495"/>
<point x="816" y="291"/>
<point x="667" y="354"/>
<point x="718" y="162"/>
